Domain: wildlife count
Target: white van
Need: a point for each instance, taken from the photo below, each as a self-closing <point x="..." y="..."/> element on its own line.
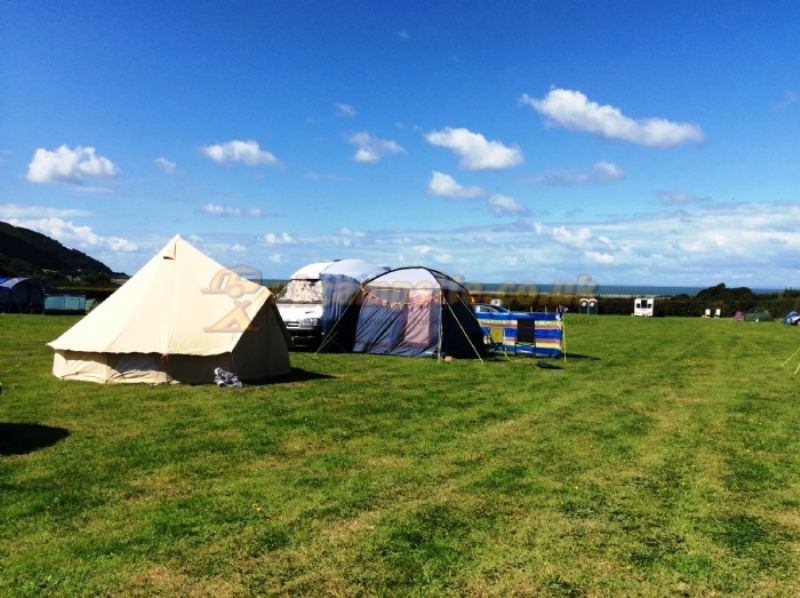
<point x="300" y="305"/>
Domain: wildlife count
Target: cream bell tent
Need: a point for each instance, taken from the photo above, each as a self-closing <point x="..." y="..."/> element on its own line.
<point x="178" y="318"/>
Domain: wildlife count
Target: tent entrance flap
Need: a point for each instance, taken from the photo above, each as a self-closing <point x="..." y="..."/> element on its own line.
<point x="340" y="295"/>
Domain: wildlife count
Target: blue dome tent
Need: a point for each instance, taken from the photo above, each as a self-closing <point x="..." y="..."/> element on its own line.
<point x="418" y="312"/>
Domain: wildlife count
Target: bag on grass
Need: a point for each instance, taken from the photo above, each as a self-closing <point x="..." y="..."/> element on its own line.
<point x="226" y="378"/>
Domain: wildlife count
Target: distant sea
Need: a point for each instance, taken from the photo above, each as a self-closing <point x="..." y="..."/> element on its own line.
<point x="612" y="289"/>
<point x="603" y="289"/>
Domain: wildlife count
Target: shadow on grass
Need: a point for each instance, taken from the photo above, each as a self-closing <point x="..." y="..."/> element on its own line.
<point x="579" y="356"/>
<point x="21" y="439"/>
<point x="296" y="375"/>
<point x="498" y="353"/>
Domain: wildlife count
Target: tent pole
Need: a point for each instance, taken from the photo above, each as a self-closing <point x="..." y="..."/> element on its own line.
<point x="790" y="358"/>
<point x="469" y="340"/>
<point x="505" y="353"/>
<point x="439" y="340"/>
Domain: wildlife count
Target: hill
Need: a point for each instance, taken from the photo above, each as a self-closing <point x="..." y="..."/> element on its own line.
<point x="25" y="252"/>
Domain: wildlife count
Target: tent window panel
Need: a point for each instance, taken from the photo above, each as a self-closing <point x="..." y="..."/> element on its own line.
<point x="418" y="326"/>
<point x="418" y="323"/>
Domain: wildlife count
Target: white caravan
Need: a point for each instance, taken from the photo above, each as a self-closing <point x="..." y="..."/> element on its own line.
<point x="643" y="307"/>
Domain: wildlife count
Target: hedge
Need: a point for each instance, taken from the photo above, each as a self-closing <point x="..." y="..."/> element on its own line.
<point x="680" y="305"/>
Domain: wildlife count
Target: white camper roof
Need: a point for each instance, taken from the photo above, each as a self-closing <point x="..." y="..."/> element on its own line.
<point x="359" y="270"/>
<point x="310" y="271"/>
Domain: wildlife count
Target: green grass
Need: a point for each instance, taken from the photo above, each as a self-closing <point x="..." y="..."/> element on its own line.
<point x="664" y="458"/>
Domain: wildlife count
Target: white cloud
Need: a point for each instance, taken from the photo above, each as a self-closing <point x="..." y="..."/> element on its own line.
<point x="165" y="165"/>
<point x="577" y="238"/>
<point x="754" y="244"/>
<point x="605" y="172"/>
<point x="345" y="110"/>
<point x="371" y="148"/>
<point x="573" y="110"/>
<point x="346" y="232"/>
<point x="213" y="209"/>
<point x="340" y="241"/>
<point x="502" y="205"/>
<point x="278" y="239"/>
<point x="13" y="210"/>
<point x="247" y="152"/>
<point x="73" y="235"/>
<point x="476" y="152"/>
<point x="69" y="166"/>
<point x="237" y="248"/>
<point x="601" y="173"/>
<point x="677" y="198"/>
<point x="600" y="258"/>
<point x="444" y="185"/>
<point x="443" y="258"/>
<point x="345" y="237"/>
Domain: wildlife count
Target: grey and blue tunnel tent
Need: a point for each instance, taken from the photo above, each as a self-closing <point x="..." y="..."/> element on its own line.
<point x="23" y="295"/>
<point x="757" y="314"/>
<point x="419" y="312"/>
<point x="341" y="297"/>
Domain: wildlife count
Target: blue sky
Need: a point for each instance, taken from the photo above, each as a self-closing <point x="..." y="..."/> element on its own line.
<point x="503" y="142"/>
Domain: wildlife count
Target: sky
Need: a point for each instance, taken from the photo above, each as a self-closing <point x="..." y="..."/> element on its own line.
<point x="526" y="142"/>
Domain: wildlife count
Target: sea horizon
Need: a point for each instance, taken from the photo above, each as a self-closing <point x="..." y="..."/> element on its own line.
<point x="600" y="290"/>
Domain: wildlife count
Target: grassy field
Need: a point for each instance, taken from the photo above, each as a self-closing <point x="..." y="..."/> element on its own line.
<point x="664" y="458"/>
